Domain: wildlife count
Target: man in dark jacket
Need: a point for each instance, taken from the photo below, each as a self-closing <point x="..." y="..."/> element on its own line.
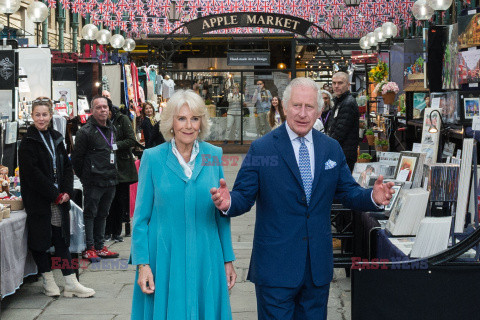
<point x="94" y="161"/>
<point x="342" y="124"/>
<point x="126" y="174"/>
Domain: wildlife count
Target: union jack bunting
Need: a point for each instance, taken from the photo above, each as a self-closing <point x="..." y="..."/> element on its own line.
<point x="356" y="20"/>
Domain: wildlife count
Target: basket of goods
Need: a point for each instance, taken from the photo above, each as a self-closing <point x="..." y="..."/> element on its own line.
<point x="4" y="211"/>
<point x="16" y="203"/>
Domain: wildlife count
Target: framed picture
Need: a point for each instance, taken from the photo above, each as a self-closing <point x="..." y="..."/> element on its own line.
<point x="364" y="172"/>
<point x="420" y="102"/>
<point x="397" y="189"/>
<point x="468" y="66"/>
<point x="471" y="107"/>
<point x="448" y="103"/>
<point x="406" y="166"/>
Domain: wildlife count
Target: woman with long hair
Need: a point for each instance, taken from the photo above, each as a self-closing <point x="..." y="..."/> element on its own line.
<point x="276" y="116"/>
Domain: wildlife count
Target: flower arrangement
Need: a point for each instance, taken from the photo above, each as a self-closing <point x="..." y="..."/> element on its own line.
<point x="389" y="87"/>
<point x="379" y="73"/>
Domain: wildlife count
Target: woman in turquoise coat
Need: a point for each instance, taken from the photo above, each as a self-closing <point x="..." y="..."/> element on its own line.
<point x="181" y="245"/>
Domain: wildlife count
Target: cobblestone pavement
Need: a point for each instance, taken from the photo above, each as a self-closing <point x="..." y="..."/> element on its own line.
<point x="113" y="283"/>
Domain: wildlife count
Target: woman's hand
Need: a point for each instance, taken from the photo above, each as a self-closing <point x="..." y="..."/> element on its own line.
<point x="145" y="279"/>
<point x="65" y="198"/>
<point x="231" y="275"/>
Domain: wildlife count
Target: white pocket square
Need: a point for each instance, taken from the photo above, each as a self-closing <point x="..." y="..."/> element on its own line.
<point x="330" y="164"/>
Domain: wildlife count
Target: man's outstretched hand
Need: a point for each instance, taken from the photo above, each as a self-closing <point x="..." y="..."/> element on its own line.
<point x="382" y="192"/>
<point x="221" y="196"/>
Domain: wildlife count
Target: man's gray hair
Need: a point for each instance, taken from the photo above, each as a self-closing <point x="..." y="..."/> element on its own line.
<point x="303" y="83"/>
<point x="342" y="74"/>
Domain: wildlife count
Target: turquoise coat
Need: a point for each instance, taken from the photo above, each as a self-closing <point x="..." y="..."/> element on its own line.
<point x="178" y="231"/>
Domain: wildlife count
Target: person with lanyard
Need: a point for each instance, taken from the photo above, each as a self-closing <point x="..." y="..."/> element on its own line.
<point x="47" y="183"/>
<point x="327" y="109"/>
<point x="262" y="99"/>
<point x="94" y="162"/>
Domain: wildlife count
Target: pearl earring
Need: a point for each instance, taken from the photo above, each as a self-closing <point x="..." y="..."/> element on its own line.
<point x="171" y="130"/>
<point x="199" y="130"/>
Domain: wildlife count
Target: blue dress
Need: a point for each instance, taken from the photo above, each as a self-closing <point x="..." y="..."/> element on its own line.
<point x="179" y="232"/>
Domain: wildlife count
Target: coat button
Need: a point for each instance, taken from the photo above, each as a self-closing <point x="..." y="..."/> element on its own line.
<point x="304" y="238"/>
<point x="308" y="216"/>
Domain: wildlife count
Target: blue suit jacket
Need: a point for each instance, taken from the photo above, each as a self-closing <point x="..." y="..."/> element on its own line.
<point x="285" y="225"/>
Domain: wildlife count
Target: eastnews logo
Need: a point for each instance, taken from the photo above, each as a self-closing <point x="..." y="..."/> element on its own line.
<point x="110" y="264"/>
<point x="209" y="160"/>
<point x="393" y="264"/>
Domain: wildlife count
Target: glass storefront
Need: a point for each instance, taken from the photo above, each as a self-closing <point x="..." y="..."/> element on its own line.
<point x="238" y="108"/>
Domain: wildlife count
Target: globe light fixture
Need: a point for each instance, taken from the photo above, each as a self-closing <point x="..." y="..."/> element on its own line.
<point x="89" y="32"/>
<point x="372" y="42"/>
<point x="439" y="4"/>
<point x="9" y="7"/>
<point x="37" y="11"/>
<point x="379" y="36"/>
<point x="364" y="43"/>
<point x="117" y="41"/>
<point x="129" y="45"/>
<point x="422" y="11"/>
<point x="389" y="29"/>
<point x="103" y="36"/>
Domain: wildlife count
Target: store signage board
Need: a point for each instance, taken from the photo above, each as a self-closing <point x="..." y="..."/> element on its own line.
<point x="248" y="19"/>
<point x="360" y="57"/>
<point x="248" y="58"/>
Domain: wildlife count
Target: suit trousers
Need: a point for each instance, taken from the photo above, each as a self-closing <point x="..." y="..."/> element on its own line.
<point x="305" y="302"/>
<point x="96" y="206"/>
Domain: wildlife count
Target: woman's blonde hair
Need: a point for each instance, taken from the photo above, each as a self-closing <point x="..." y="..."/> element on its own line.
<point x="196" y="105"/>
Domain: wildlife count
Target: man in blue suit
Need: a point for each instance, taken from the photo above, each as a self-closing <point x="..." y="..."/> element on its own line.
<point x="294" y="173"/>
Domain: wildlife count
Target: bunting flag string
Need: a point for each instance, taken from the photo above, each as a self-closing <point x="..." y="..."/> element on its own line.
<point x="136" y="16"/>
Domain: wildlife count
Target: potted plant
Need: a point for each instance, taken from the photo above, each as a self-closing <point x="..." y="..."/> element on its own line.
<point x="381" y="145"/>
<point x="370" y="137"/>
<point x="364" y="157"/>
<point x="389" y="90"/>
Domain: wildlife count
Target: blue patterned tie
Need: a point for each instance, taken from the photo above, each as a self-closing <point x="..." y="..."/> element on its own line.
<point x="305" y="169"/>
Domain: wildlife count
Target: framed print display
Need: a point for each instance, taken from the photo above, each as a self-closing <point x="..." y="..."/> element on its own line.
<point x="471" y="107"/>
<point x="469" y="66"/>
<point x="420" y="102"/>
<point x="397" y="189"/>
<point x="364" y="172"/>
<point x="406" y="167"/>
<point x="450" y="61"/>
<point x="414" y="66"/>
<point x="468" y="29"/>
<point x="448" y="102"/>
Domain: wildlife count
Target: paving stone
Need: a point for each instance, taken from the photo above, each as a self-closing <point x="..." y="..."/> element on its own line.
<point x="20" y="314"/>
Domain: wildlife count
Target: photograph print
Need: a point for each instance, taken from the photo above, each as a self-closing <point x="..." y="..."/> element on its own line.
<point x="471" y="107"/>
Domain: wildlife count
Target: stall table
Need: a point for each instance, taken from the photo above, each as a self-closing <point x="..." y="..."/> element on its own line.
<point x="16" y="262"/>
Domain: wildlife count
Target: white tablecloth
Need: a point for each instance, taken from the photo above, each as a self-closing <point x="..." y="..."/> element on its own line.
<point x="16" y="262"/>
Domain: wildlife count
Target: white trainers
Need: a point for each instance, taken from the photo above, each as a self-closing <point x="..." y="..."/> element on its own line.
<point x="50" y="288"/>
<point x="74" y="288"/>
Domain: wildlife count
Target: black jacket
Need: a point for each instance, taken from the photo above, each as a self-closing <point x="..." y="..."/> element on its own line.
<point x="38" y="189"/>
<point x="343" y="125"/>
<point x="147" y="128"/>
<point x="91" y="155"/>
<point x="127" y="172"/>
<point x="156" y="138"/>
